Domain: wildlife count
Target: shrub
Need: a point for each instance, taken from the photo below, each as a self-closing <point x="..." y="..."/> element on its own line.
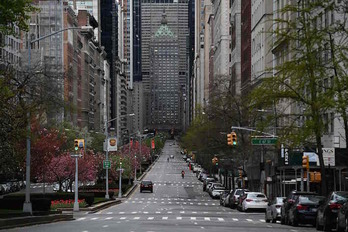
<point x="13" y="203"/>
<point x="41" y="204"/>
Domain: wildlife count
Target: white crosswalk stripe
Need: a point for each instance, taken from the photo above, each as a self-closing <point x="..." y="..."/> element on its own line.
<point x="235" y="219"/>
<point x="221" y="219"/>
<point x="249" y="220"/>
<point x="193" y="218"/>
<point x="207" y="219"/>
<point x="178" y="218"/>
<point x="108" y="218"/>
<point x="150" y="218"/>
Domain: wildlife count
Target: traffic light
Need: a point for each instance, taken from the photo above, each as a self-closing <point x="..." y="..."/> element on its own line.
<point x="76" y="144"/>
<point x="229" y="140"/>
<point x="305" y="162"/>
<point x="120" y="160"/>
<point x="234" y="138"/>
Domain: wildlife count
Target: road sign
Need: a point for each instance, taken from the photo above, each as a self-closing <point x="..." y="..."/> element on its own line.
<point x="263" y="141"/>
<point x="106" y="164"/>
<point x="120" y="169"/>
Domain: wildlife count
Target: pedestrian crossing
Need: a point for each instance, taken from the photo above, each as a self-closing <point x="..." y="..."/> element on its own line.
<point x="174" y="203"/>
<point x="170" y="218"/>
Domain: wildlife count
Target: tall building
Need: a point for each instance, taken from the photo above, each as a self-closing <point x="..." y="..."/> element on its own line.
<point x="222" y="56"/>
<point x="236" y="40"/>
<point x="261" y="40"/>
<point x="109" y="40"/>
<point x="74" y="63"/>
<point x="245" y="46"/>
<point x="164" y="61"/>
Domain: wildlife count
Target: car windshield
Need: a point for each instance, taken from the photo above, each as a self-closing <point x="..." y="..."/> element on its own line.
<point x="146" y="182"/>
<point x="256" y="195"/>
<point x="309" y="199"/>
<point x="341" y="196"/>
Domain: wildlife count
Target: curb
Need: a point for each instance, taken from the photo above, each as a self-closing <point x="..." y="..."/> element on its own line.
<point x="33" y="220"/>
<point x="104" y="206"/>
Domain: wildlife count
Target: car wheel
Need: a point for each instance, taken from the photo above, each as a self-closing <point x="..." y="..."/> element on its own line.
<point x="317" y="225"/>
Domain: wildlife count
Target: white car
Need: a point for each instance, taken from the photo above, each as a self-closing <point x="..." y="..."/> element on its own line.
<point x="215" y="193"/>
<point x="255" y="200"/>
<point x="212" y="186"/>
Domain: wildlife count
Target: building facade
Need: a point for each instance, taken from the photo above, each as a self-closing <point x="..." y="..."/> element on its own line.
<point x="160" y="113"/>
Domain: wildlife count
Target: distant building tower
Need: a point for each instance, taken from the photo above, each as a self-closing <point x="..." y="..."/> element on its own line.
<point x="164" y="42"/>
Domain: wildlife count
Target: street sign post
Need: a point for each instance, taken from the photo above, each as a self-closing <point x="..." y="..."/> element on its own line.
<point x="263" y="141"/>
<point x="106" y="164"/>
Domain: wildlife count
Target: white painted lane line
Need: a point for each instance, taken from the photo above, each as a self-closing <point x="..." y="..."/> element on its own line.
<point x="213" y="204"/>
<point x="221" y="219"/>
<point x="194" y="212"/>
<point x="134" y="212"/>
<point x="93" y="219"/>
<point x="158" y="212"/>
<point x="178" y="218"/>
<point x="108" y="218"/>
<point x="193" y="218"/>
<point x="169" y="212"/>
<point x="80" y="219"/>
<point x="123" y="218"/>
<point x="105" y="226"/>
<point x="207" y="219"/>
<point x="136" y="218"/>
<point x="206" y="203"/>
<point x="164" y="218"/>
<point x="249" y="220"/>
<point x="262" y="220"/>
<point x="182" y="211"/>
<point x="121" y="213"/>
<point x="235" y="219"/>
<point x="109" y="213"/>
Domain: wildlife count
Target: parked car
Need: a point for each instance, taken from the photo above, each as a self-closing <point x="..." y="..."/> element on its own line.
<point x="273" y="210"/>
<point x="206" y="181"/>
<point x="254" y="200"/>
<point x="216" y="192"/>
<point x="288" y="202"/>
<point x="212" y="186"/>
<point x="224" y="197"/>
<point x="146" y="185"/>
<point x="328" y="210"/>
<point x="234" y="197"/>
<point x="304" y="210"/>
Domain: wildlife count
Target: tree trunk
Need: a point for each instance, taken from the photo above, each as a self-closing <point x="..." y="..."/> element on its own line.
<point x="324" y="190"/>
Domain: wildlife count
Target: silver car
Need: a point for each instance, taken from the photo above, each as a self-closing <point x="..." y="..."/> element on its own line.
<point x="273" y="211"/>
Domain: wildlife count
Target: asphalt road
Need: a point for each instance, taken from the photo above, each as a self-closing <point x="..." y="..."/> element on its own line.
<point x="176" y="204"/>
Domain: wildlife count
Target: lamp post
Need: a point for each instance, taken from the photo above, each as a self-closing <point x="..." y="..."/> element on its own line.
<point x="27" y="206"/>
<point x="107" y="155"/>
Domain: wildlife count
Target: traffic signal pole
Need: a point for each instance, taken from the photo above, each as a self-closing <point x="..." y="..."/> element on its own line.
<point x="106" y="158"/>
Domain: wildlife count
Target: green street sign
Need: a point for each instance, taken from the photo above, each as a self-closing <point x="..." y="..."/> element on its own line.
<point x="263" y="141"/>
<point x="106" y="164"/>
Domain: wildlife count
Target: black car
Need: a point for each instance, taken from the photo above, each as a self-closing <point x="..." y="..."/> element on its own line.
<point x="304" y="210"/>
<point x="146" y="185"/>
<point x="328" y="210"/>
<point x="288" y="202"/>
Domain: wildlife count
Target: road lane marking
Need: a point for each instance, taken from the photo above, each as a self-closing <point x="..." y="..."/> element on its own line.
<point x="235" y="219"/>
<point x="249" y="220"/>
<point x="93" y="219"/>
<point x="80" y="219"/>
<point x="193" y="218"/>
<point x="221" y="219"/>
<point x="207" y="219"/>
<point x="150" y="218"/>
<point x="262" y="220"/>
<point x="123" y="218"/>
<point x="105" y="226"/>
<point x="164" y="218"/>
<point x="109" y="213"/>
<point x="134" y="212"/>
<point x="121" y="213"/>
<point x="108" y="218"/>
<point x="136" y="218"/>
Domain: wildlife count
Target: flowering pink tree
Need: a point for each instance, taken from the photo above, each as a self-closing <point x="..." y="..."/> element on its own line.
<point x="62" y="168"/>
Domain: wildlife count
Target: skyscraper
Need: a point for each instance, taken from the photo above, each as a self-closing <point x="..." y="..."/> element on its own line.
<point x="164" y="39"/>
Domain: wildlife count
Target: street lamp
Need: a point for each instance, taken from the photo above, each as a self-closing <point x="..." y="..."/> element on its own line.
<point x="107" y="154"/>
<point x="27" y="206"/>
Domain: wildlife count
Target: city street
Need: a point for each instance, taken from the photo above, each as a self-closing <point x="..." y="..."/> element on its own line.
<point x="176" y="204"/>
